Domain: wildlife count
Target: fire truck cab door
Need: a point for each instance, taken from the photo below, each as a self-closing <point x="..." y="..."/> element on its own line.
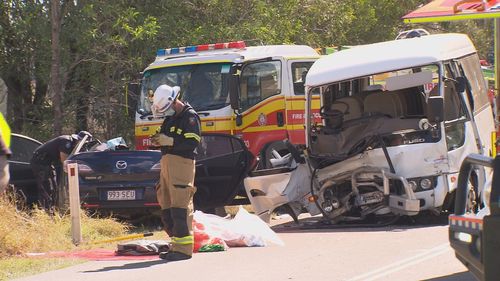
<point x="262" y="104"/>
<point x="296" y="100"/>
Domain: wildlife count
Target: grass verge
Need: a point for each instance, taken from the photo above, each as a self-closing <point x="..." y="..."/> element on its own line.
<point x="23" y="232"/>
<point x="17" y="267"/>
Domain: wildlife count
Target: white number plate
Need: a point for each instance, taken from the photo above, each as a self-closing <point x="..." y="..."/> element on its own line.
<point x="121" y="195"/>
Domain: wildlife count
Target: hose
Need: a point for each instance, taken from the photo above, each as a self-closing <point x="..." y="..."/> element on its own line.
<point x="126" y="237"/>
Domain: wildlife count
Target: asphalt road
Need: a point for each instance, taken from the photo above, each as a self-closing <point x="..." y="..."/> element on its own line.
<point x="398" y="252"/>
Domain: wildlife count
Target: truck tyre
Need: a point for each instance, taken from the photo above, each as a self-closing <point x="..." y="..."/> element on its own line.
<point x="267" y="154"/>
<point x="473" y="200"/>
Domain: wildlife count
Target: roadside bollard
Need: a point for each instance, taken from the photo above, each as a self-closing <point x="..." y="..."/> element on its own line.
<point x="74" y="203"/>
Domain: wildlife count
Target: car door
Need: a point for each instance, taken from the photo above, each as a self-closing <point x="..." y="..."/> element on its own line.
<point x="21" y="175"/>
<point x="221" y="164"/>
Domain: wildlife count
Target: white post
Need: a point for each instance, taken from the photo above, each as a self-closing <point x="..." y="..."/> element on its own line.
<point x="74" y="203"/>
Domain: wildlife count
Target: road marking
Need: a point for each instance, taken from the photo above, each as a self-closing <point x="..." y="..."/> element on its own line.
<point x="397" y="266"/>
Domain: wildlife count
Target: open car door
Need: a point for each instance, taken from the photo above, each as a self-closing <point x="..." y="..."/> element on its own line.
<point x="221" y="164"/>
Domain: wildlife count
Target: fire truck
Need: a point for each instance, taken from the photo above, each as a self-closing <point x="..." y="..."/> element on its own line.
<point x="253" y="92"/>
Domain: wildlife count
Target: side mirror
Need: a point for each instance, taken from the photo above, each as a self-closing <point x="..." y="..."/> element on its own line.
<point x="239" y="119"/>
<point x="133" y="88"/>
<point x="435" y="109"/>
<point x="234" y="89"/>
<point x="132" y="93"/>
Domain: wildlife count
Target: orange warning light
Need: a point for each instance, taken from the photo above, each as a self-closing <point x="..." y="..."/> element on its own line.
<point x="312" y="198"/>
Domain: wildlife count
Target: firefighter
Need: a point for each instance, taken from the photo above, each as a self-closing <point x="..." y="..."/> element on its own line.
<point x="178" y="137"/>
<point x="46" y="164"/>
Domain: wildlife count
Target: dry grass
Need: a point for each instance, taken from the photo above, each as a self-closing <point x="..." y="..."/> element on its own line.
<point x="22" y="232"/>
<point x="12" y="268"/>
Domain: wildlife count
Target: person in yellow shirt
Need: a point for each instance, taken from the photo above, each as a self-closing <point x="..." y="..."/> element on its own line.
<point x="4" y="154"/>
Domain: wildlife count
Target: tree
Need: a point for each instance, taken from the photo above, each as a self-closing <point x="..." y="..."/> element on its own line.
<point x="56" y="83"/>
<point x="88" y="50"/>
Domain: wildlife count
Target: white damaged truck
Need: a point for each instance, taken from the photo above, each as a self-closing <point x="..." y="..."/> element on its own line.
<point x="397" y="119"/>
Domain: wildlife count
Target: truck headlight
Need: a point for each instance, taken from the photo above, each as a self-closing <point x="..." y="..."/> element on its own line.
<point x="464" y="237"/>
<point x="425" y="184"/>
<point x="422" y="183"/>
<point x="413" y="185"/>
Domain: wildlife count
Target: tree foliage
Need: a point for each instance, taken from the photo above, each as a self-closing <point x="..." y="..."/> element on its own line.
<point x="105" y="44"/>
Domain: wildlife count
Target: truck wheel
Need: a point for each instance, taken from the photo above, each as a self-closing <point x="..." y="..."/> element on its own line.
<point x="472" y="201"/>
<point x="268" y="153"/>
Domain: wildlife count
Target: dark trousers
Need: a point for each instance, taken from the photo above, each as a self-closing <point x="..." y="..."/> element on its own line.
<point x="46" y="181"/>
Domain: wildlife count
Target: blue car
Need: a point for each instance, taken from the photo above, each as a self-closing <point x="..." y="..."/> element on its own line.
<point x="121" y="181"/>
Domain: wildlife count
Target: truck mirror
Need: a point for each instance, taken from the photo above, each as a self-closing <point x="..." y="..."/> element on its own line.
<point x="435" y="109"/>
<point x="234" y="90"/>
<point x="132" y="93"/>
<point x="133" y="89"/>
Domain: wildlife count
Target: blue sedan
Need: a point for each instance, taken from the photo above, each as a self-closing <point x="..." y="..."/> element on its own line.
<point x="113" y="179"/>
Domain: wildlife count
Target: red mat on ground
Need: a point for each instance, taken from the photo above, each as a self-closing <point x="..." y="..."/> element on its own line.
<point x="94" y="255"/>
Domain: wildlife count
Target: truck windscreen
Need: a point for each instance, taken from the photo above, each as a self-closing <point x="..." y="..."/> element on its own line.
<point x="203" y="86"/>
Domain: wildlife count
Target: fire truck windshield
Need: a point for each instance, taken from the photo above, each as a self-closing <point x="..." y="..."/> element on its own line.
<point x="203" y="86"/>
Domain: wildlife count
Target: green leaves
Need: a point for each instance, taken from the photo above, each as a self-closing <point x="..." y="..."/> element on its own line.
<point x="129" y="22"/>
<point x="104" y="44"/>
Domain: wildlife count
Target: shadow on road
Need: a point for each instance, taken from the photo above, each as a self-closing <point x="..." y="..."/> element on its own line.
<point x="135" y="265"/>
<point x="461" y="276"/>
<point x="316" y="224"/>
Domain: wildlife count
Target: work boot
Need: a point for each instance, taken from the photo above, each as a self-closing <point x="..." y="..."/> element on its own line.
<point x="174" y="256"/>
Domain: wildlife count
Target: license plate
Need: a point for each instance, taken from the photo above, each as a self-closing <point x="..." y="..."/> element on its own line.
<point x="121" y="195"/>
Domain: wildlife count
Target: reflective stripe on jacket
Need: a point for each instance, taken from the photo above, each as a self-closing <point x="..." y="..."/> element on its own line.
<point x="185" y="130"/>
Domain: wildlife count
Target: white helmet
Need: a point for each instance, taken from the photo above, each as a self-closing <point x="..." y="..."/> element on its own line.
<point x="163" y="98"/>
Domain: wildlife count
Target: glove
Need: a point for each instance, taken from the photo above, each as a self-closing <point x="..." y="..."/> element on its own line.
<point x="162" y="140"/>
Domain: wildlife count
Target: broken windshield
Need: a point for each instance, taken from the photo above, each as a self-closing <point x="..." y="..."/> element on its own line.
<point x="387" y="107"/>
<point x="203" y="86"/>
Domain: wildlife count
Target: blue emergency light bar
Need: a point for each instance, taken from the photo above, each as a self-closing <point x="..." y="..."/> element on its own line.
<point x="199" y="48"/>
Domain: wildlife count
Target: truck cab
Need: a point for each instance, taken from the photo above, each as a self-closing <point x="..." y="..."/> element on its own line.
<point x="255" y="93"/>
